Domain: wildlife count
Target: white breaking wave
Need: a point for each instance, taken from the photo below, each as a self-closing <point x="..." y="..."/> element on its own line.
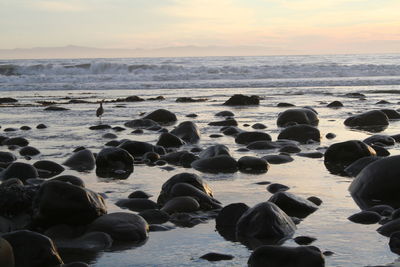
<point x="207" y="72"/>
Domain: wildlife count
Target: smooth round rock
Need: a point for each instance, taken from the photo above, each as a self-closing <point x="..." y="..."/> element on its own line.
<point x="365" y="217"/>
<point x="301" y="133"/>
<point x="47" y="168"/>
<point x="246" y="138"/>
<point x="297" y="116"/>
<point x="82" y="160"/>
<point x="293" y="205"/>
<point x="230" y="214"/>
<point x="248" y="164"/>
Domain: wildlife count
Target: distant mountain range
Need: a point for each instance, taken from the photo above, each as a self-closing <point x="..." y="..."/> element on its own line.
<point x="72" y="51"/>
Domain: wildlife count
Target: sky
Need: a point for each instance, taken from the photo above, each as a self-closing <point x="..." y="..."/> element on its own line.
<point x="282" y="26"/>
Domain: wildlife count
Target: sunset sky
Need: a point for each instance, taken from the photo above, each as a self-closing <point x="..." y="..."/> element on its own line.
<point x="300" y="26"/>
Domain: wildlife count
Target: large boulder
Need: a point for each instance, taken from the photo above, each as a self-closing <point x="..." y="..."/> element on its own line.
<point x="339" y="156"/>
<point x="137" y="148"/>
<point x="162" y="116"/>
<point x="301" y="133"/>
<point x="121" y="226"/>
<point x="378" y="183"/>
<point x="82" y="160"/>
<point x="217" y="164"/>
<point x="280" y="256"/>
<point x="20" y="170"/>
<point x="266" y="222"/>
<point x="374" y="121"/>
<point x="187" y="131"/>
<point x="246" y="138"/>
<point x="297" y="116"/>
<point x="169" y="140"/>
<point x="293" y="205"/>
<point x="32" y="249"/>
<point x="64" y="203"/>
<point x="114" y="162"/>
<point x="242" y="100"/>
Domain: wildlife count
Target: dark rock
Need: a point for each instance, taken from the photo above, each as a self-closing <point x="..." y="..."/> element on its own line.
<point x="394" y="243"/>
<point x="141" y="124"/>
<point x="180" y="158"/>
<point x="217" y="164"/>
<point x="283" y="104"/>
<point x="20" y="170"/>
<point x="82" y="160"/>
<point x="189" y="100"/>
<point x="213" y="151"/>
<point x="365" y="217"/>
<point x="121" y="226"/>
<point x="162" y="116"/>
<point x="293" y="205"/>
<point x="316" y="200"/>
<point x="7" y="157"/>
<point x="335" y="104"/>
<point x="380" y="139"/>
<point x="248" y="164"/>
<point x="114" y="162"/>
<point x="242" y="100"/>
<point x="70" y="179"/>
<point x="313" y="155"/>
<point x="297" y="116"/>
<point x="215" y="135"/>
<point x="276" y="187"/>
<point x="7" y="100"/>
<point x="137" y="204"/>
<point x="330" y="135"/>
<point x="63" y="203"/>
<point x="168" y="140"/>
<point x="300" y="133"/>
<point x="6" y="254"/>
<point x="16" y="141"/>
<point x="391" y="114"/>
<point x="341" y="155"/>
<point x="380" y="151"/>
<point x="187" y="131"/>
<point x="304" y="240"/>
<point x="230" y="215"/>
<point x="356" y="167"/>
<point x="110" y="136"/>
<point x="137" y="149"/>
<point x="258" y="126"/>
<point x="231" y="130"/>
<point x="389" y="228"/>
<point x="227" y="122"/>
<point x="374" y="121"/>
<point x="181" y="204"/>
<point x="41" y="126"/>
<point x="191" y="115"/>
<point x="278" y="159"/>
<point x="32" y="249"/>
<point x="15" y="199"/>
<point x="383" y="210"/>
<point x="155" y="216"/>
<point x="47" y="168"/>
<point x="137" y="131"/>
<point x="29" y="151"/>
<point x="10" y="129"/>
<point x="225" y="113"/>
<point x="118" y="128"/>
<point x="382" y="102"/>
<point x="113" y="143"/>
<point x="55" y="108"/>
<point x="159" y="228"/>
<point x="25" y="128"/>
<point x="246" y="138"/>
<point x="139" y="194"/>
<point x="212" y="256"/>
<point x="100" y="127"/>
<point x="279" y="256"/>
<point x="184" y="219"/>
<point x="355" y="95"/>
<point x="263" y="145"/>
<point x="133" y="98"/>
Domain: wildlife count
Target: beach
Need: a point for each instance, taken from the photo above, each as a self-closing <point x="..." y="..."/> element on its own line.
<point x="361" y="83"/>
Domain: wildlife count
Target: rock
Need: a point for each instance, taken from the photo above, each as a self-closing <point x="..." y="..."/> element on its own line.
<point x="374" y="120"/>
<point x="32" y="249"/>
<point x="380" y="139"/>
<point x="356" y="167"/>
<point x="162" y="116"/>
<point x="258" y="126"/>
<point x="20" y="170"/>
<point x="15" y="141"/>
<point x="141" y="123"/>
<point x="225" y="113"/>
<point x="246" y="138"/>
<point x="380" y="151"/>
<point x="10" y="129"/>
<point x="248" y="164"/>
<point x="25" y="128"/>
<point x="278" y="159"/>
<point x="137" y="204"/>
<point x="263" y="145"/>
<point x="394" y="243"/>
<point x="100" y="127"/>
<point x="110" y="136"/>
<point x="330" y="135"/>
<point x="297" y="116"/>
<point x="231" y="130"/>
<point x="280" y="256"/>
<point x="355" y="95"/>
<point x="300" y="133"/>
<point x="159" y="228"/>
<point x="217" y="164"/>
<point x="276" y="187"/>
<point x="29" y="151"/>
<point x="378" y="183"/>
<point x="151" y="157"/>
<point x="316" y="200"/>
<point x="230" y="215"/>
<point x="41" y="126"/>
<point x="389" y="228"/>
<point x="137" y="149"/>
<point x="341" y="155"/>
<point x="304" y="240"/>
<point x="139" y="194"/>
<point x="47" y="168"/>
<point x="155" y="216"/>
<point x="181" y="204"/>
<point x="227" y="122"/>
<point x="186" y="219"/>
<point x="118" y="128"/>
<point x="335" y="104"/>
<point x="121" y="226"/>
<point x="212" y="256"/>
<point x="283" y="104"/>
<point x="383" y="210"/>
<point x="114" y="162"/>
<point x="133" y="98"/>
<point x="266" y="222"/>
<point x="63" y="203"/>
<point x="168" y="140"/>
<point x="192" y="115"/>
<point x="365" y="217"/>
<point x="70" y="179"/>
<point x="187" y="131"/>
<point x="242" y="100"/>
<point x="55" y="108"/>
<point x="382" y="102"/>
<point x="7" y="100"/>
<point x="213" y="151"/>
<point x="6" y="254"/>
<point x="15" y="199"/>
<point x="293" y="205"/>
<point x="82" y="160"/>
<point x="7" y="157"/>
<point x="312" y="155"/>
<point x="391" y="114"/>
<point x="189" y="100"/>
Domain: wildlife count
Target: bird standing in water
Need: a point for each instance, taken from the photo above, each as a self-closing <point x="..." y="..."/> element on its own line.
<point x="100" y="110"/>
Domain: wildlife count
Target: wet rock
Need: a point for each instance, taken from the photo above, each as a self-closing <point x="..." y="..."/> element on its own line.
<point x="186" y="219"/>
<point x="181" y="204"/>
<point x="246" y="138"/>
<point x="391" y="114"/>
<point x="230" y="215"/>
<point x="29" y="151"/>
<point x="355" y="95"/>
<point x="139" y="194"/>
<point x="191" y="115"/>
<point x="278" y="159"/>
<point x="341" y="155"/>
<point x="25" y="128"/>
<point x="137" y="149"/>
<point x="189" y="100"/>
<point x="217" y="164"/>
<point x="151" y="156"/>
<point x="55" y="108"/>
<point x="110" y="136"/>
<point x="265" y="221"/>
<point x="383" y="210"/>
<point x="283" y="104"/>
<point x="304" y="240"/>
<point x="225" y="113"/>
<point x="100" y="127"/>
<point x="382" y="102"/>
<point x="187" y="131"/>
<point x="374" y="120"/>
<point x="155" y="216"/>
<point x="380" y="139"/>
<point x="227" y="122"/>
<point x="118" y="128"/>
<point x="280" y="256"/>
<point x="335" y="104"/>
<point x="168" y="140"/>
<point x="63" y="203"/>
<point x="137" y="204"/>
<point x="293" y="205"/>
<point x="365" y="217"/>
<point x="242" y="100"/>
<point x="16" y="141"/>
<point x="7" y="100"/>
<point x="356" y="167"/>
<point x="133" y="98"/>
<point x="213" y="151"/>
<point x="276" y="187"/>
<point x="378" y="183"/>
<point x="259" y="126"/>
<point x="162" y="116"/>
<point x="297" y="116"/>
<point x="9" y="129"/>
<point x="41" y="126"/>
<point x="394" y="242"/>
<point x="380" y="151"/>
<point x="82" y="160"/>
<point x="215" y="135"/>
<point x="15" y="199"/>
<point x="141" y="124"/>
<point x="47" y="168"/>
<point x="316" y="200"/>
<point x="70" y="179"/>
<point x="159" y="228"/>
<point x="231" y="130"/>
<point x="263" y="145"/>
<point x="300" y="133"/>
<point x="114" y="162"/>
<point x="7" y="157"/>
<point x="6" y="254"/>
<point x="312" y="155"/>
<point x="389" y="228"/>
<point x="121" y="226"/>
<point x="248" y="164"/>
<point x="330" y="135"/>
<point x="20" y="170"/>
<point x="213" y="256"/>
